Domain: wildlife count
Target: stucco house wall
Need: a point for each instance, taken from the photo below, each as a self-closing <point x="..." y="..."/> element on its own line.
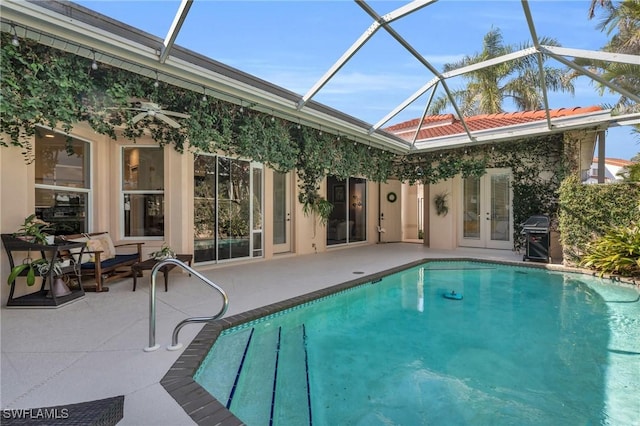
<point x="17" y="198"/>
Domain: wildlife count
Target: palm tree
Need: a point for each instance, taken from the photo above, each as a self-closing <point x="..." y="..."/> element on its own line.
<point x="595" y="3"/>
<point x="488" y="88"/>
<point x="622" y="23"/>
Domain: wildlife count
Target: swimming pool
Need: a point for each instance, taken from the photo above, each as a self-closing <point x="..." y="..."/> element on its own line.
<point x="524" y="346"/>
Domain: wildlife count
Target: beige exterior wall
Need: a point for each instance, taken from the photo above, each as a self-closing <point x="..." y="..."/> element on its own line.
<point x="442" y="229"/>
<point x="409" y="212"/>
<point x="17" y="201"/>
<point x="16" y="198"/>
<point x="392" y="219"/>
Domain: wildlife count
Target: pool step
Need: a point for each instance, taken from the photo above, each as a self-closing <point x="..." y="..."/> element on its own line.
<point x="220" y="373"/>
<point x="272" y="386"/>
<point x="292" y="403"/>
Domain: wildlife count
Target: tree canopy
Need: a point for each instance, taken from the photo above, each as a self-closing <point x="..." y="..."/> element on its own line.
<point x="487" y="89"/>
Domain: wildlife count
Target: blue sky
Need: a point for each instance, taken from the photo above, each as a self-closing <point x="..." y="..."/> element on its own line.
<point x="293" y="43"/>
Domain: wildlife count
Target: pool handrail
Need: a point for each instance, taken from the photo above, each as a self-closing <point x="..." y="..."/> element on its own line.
<point x="152" y="305"/>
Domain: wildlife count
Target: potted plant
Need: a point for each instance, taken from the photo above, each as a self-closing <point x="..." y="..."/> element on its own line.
<point x="34" y="230"/>
<point x="165" y="252"/>
<point x="42" y="265"/>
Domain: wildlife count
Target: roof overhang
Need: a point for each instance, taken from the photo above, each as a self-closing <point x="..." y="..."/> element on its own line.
<point x="596" y="121"/>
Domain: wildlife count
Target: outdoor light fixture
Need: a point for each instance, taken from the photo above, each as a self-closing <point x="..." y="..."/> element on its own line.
<point x="14" y="40"/>
<point x="157" y="82"/>
<point x="94" y="64"/>
<point x="204" y="94"/>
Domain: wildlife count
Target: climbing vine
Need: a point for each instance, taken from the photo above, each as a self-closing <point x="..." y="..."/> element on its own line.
<point x="46" y="87"/>
<point x="537" y="165"/>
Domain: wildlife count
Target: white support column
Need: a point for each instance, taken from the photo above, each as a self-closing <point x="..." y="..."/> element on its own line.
<point x="601" y="157"/>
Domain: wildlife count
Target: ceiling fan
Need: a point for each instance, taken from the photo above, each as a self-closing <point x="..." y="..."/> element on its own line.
<point x="153" y="110"/>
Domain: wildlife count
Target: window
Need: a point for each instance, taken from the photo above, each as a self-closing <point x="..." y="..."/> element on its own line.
<point x="62" y="184"/>
<point x="227" y="209"/>
<point x="143" y="191"/>
<point x="347" y="222"/>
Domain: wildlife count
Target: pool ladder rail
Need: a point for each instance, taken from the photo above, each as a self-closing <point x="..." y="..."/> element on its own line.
<point x="152" y="305"/>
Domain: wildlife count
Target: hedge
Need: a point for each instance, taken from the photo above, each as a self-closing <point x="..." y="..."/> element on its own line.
<point x="588" y="211"/>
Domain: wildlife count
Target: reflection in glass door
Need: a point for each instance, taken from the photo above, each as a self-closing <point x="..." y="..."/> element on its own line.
<point x="347" y="222"/>
<point x="486" y="210"/>
<point x="227" y="209"/>
<point x="281" y="212"/>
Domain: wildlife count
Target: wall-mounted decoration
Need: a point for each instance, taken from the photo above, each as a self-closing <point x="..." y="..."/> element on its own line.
<point x="440" y="201"/>
<point x="392" y="197"/>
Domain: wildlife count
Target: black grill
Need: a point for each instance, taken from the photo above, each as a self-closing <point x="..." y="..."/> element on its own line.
<point x="536" y="229"/>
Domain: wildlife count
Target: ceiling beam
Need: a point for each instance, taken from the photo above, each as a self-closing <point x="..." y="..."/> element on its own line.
<point x="358" y="44"/>
<point x="539" y="60"/>
<point x="172" y="34"/>
<point x="387" y="27"/>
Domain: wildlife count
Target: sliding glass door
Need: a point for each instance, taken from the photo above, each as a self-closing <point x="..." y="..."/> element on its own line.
<point x="227" y="209"/>
<point x="347" y="223"/>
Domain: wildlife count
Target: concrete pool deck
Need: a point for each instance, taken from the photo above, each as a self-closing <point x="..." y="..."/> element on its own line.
<point x="92" y="348"/>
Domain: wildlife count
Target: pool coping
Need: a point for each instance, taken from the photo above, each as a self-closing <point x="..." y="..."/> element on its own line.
<point x="205" y="409"/>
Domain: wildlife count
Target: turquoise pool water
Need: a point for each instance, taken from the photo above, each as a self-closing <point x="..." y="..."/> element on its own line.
<point x="523" y="347"/>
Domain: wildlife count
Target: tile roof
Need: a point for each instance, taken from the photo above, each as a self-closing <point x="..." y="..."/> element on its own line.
<point x="618" y="162"/>
<point x="447" y="124"/>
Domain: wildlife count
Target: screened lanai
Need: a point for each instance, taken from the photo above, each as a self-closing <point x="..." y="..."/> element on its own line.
<point x="353" y="69"/>
<point x="179" y="42"/>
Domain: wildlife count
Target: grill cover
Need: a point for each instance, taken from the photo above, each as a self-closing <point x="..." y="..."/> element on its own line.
<point x="536" y="224"/>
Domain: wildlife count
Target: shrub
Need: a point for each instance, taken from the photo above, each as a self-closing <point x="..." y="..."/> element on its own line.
<point x="617" y="252"/>
<point x="588" y="212"/>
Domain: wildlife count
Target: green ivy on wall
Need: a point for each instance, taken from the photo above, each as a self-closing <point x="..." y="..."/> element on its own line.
<point x="44" y="86"/>
<point x="538" y="167"/>
<point x="589" y="211"/>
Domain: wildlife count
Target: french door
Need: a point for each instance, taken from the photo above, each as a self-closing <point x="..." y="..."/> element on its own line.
<point x="281" y="212"/>
<point x="487" y="218"/>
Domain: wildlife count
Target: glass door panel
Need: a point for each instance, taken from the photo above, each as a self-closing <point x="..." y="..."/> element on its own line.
<point x="486" y="210"/>
<point x="233" y="208"/>
<point x="256" y="214"/>
<point x="281" y="212"/>
<point x="500" y="207"/>
<point x="204" y="203"/>
<point x="347" y="222"/>
<point x="228" y="209"/>
<point x="357" y="209"/>
<point x="471" y="208"/>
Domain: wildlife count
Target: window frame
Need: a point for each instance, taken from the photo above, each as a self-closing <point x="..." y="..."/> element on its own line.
<point x="87" y="160"/>
<point x="124" y="192"/>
